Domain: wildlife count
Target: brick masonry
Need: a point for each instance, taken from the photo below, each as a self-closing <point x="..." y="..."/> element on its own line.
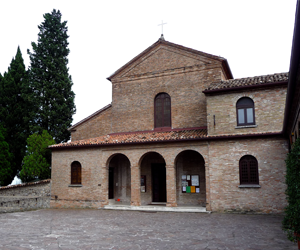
<point x="183" y="75"/>
<point x="269" y="111"/>
<point x="98" y="125"/>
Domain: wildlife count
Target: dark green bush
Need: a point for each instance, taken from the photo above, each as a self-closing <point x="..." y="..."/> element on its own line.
<point x="291" y="221"/>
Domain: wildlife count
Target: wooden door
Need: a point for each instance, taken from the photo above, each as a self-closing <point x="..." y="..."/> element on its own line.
<point x="159" y="182"/>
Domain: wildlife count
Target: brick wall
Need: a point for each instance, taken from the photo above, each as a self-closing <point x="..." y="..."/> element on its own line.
<point x="183" y="75"/>
<point x="98" y="125"/>
<point x="269" y="111"/>
<point x="225" y="193"/>
<point x="221" y="158"/>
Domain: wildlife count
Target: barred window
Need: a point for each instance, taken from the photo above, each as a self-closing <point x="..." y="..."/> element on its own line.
<point x="162" y="110"/>
<point x="248" y="170"/>
<point x="75" y="173"/>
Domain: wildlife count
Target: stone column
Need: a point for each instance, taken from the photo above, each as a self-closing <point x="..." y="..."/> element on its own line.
<point x="171" y="186"/>
<point x="104" y="186"/>
<point x="135" y="186"/>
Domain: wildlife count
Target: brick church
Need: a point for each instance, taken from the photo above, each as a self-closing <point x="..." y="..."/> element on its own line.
<point x="180" y="132"/>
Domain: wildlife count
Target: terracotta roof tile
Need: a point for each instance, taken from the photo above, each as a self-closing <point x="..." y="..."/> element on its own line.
<point x="249" y="81"/>
<point x="138" y="137"/>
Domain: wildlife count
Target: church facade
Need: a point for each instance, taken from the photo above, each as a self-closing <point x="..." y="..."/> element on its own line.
<point x="180" y="131"/>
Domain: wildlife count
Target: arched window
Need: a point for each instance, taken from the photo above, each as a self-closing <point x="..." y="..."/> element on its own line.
<point x="248" y="170"/>
<point x="75" y="173"/>
<point x="245" y="112"/>
<point x="162" y="110"/>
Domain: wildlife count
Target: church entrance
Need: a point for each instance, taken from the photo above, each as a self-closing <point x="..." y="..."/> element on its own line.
<point x="119" y="180"/>
<point x="153" y="176"/>
<point x="158" y="182"/>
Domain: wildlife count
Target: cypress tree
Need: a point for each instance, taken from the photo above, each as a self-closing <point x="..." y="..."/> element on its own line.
<point x="5" y="158"/>
<point x="15" y="112"/>
<point x="50" y="80"/>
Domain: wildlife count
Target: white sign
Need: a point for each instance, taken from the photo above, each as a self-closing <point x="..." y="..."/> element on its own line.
<point x="184" y="183"/>
<point x="195" y="180"/>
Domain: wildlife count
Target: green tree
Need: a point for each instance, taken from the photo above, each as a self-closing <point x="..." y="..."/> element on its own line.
<point x="50" y="80"/>
<point x="5" y="158"/>
<point x="291" y="221"/>
<point x="15" y="111"/>
<point x="37" y="162"/>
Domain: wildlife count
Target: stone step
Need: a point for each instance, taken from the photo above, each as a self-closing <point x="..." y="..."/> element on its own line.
<point x="153" y="208"/>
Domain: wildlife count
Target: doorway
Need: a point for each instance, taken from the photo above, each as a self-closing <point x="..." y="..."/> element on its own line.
<point x="111" y="183"/>
<point x="158" y="182"/>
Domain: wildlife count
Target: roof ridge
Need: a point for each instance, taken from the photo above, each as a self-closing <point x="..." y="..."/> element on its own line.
<point x="246" y="82"/>
<point x="249" y="77"/>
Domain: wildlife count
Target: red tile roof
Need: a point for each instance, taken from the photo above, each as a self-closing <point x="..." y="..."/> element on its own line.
<point x="138" y="137"/>
<point x="153" y="137"/>
<point x="249" y="81"/>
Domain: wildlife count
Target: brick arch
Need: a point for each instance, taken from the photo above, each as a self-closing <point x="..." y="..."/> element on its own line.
<point x="112" y="156"/>
<point x="184" y="150"/>
<point x="190" y="163"/>
<point x="176" y="153"/>
<point x="145" y="154"/>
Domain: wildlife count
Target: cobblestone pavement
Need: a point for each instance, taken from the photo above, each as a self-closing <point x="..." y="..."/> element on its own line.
<point x="107" y="229"/>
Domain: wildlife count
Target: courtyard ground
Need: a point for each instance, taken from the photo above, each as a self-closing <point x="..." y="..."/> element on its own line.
<point x="107" y="229"/>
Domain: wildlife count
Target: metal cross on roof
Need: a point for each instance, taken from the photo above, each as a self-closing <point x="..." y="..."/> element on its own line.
<point x="162" y="27"/>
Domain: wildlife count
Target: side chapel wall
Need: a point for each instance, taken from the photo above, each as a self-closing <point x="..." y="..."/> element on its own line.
<point x="269" y="107"/>
<point x="227" y="196"/>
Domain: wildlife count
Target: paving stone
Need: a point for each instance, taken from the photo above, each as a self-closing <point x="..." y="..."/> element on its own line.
<point x="107" y="229"/>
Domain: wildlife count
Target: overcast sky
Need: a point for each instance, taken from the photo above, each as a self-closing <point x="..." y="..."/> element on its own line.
<point x="254" y="36"/>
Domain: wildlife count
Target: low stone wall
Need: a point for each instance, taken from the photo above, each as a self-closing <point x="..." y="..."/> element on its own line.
<point x="25" y="196"/>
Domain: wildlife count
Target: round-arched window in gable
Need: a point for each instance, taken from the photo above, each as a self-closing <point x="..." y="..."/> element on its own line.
<point x="162" y="110"/>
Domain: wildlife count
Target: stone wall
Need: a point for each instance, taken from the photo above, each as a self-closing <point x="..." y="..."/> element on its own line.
<point x="269" y="111"/>
<point x="25" y="196"/>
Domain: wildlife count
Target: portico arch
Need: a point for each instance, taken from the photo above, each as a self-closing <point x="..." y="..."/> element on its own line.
<point x="119" y="179"/>
<point x="153" y="175"/>
<point x="190" y="175"/>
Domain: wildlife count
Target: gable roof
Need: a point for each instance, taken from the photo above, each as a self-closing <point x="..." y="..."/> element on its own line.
<point x="248" y="82"/>
<point x="163" y="42"/>
<point x="90" y="117"/>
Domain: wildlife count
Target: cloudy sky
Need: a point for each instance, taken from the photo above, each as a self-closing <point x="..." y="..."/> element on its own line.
<point x="254" y="36"/>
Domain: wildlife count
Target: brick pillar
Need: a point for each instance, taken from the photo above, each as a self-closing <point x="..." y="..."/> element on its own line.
<point x="135" y="186"/>
<point x="104" y="186"/>
<point x="171" y="186"/>
<point x="207" y="187"/>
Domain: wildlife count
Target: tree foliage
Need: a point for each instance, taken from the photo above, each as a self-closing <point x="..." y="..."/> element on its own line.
<point x="291" y="221"/>
<point x="50" y="80"/>
<point x="5" y="158"/>
<point x="15" y="112"/>
<point x="37" y="162"/>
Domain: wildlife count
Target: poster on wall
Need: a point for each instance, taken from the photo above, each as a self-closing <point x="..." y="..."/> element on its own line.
<point x="195" y="180"/>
